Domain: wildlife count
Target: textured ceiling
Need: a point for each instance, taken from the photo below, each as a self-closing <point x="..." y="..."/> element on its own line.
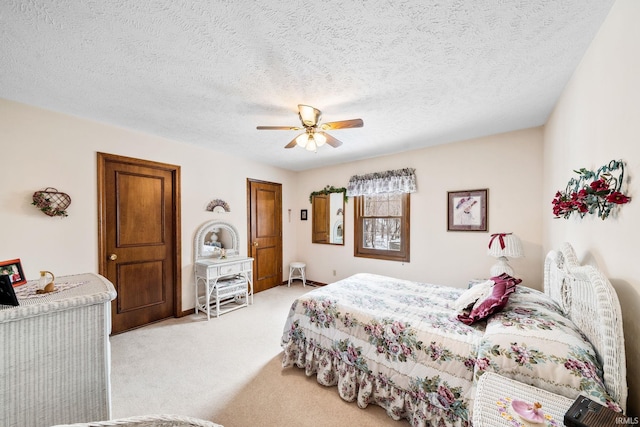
<point x="418" y="72"/>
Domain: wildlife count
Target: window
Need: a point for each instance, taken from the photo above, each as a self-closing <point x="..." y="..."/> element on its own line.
<point x="382" y="226"/>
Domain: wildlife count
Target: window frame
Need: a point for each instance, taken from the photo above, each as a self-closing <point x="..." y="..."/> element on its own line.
<point x="403" y="255"/>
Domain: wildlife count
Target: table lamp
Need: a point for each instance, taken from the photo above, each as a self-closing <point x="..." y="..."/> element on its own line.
<point x="501" y="246"/>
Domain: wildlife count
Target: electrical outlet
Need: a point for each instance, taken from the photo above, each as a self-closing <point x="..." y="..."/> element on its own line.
<point x="334" y="272"/>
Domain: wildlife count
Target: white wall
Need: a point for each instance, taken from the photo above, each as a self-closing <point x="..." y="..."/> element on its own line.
<point x="508" y="165"/>
<point x="42" y="149"/>
<point x="596" y="120"/>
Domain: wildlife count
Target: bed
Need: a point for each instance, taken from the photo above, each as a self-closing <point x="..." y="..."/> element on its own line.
<point x="410" y="348"/>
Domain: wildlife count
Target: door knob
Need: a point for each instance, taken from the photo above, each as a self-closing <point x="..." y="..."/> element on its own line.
<point x="255" y="243"/>
<point x="113" y="257"/>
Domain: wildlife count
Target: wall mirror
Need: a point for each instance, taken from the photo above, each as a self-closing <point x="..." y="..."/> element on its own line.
<point x="327" y="214"/>
<point x="212" y="237"/>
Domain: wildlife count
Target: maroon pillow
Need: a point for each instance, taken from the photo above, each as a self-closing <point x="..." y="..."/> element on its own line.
<point x="504" y="286"/>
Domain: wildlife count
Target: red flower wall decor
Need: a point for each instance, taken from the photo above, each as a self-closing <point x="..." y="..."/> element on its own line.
<point x="596" y="193"/>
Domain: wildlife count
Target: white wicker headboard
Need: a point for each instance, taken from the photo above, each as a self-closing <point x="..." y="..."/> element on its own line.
<point x="590" y="301"/>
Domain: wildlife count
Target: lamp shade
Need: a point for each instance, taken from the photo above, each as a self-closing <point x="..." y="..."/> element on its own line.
<point x="311" y="144"/>
<point x="302" y="140"/>
<point x="505" y="245"/>
<point x="501" y="246"/>
<point x="319" y="138"/>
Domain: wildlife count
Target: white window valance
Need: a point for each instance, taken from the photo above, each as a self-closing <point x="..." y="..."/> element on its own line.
<point x="393" y="181"/>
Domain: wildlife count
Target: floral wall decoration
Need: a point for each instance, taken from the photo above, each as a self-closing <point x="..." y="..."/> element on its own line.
<point x="595" y="193"/>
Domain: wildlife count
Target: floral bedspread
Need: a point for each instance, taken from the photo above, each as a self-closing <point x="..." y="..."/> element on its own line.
<point x="387" y="341"/>
<point x="398" y="344"/>
<point x="531" y="341"/>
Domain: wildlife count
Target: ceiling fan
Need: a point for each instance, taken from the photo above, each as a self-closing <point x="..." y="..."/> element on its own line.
<point x="314" y="135"/>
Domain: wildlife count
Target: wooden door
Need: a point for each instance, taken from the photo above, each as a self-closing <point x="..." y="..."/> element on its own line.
<point x="320" y="218"/>
<point x="265" y="233"/>
<point x="139" y="238"/>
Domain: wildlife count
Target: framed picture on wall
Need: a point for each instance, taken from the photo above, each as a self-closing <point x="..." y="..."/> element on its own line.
<point x="13" y="269"/>
<point x="467" y="210"/>
<point x="303" y="214"/>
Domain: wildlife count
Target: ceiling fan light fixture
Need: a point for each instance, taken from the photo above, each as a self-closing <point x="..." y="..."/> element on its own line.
<point x="310" y="116"/>
<point x="311" y="144"/>
<point x="319" y="139"/>
<point x="302" y="139"/>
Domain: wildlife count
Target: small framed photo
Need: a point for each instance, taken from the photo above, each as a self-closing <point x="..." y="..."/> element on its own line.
<point x="303" y="214"/>
<point x="467" y="210"/>
<point x="7" y="294"/>
<point x="13" y="269"/>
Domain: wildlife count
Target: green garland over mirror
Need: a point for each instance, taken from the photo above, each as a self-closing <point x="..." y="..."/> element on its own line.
<point x="328" y="190"/>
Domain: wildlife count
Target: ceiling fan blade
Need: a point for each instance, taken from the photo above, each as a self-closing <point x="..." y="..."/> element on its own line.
<point x="335" y="143"/>
<point x="309" y="115"/>
<point x="292" y="143"/>
<point x="343" y="124"/>
<point x="277" y="128"/>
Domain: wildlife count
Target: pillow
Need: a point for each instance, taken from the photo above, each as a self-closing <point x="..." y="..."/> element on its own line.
<point x="494" y="302"/>
<point x="473" y="294"/>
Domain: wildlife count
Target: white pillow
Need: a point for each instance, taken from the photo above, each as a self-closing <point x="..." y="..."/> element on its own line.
<point x="473" y="294"/>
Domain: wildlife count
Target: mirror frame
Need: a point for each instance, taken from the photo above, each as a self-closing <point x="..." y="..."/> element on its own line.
<point x="208" y="227"/>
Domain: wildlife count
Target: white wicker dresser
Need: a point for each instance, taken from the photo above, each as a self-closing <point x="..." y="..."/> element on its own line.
<point x="55" y="356"/>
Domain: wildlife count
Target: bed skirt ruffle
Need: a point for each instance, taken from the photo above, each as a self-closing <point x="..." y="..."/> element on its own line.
<point x="363" y="387"/>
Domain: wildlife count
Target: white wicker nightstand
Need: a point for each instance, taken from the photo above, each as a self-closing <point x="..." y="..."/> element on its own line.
<point x="492" y="407"/>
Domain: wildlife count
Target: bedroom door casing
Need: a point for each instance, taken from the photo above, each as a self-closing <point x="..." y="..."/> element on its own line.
<point x="264" y="205"/>
<point x="138" y="238"/>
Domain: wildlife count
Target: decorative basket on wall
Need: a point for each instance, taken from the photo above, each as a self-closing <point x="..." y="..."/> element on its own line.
<point x="52" y="202"/>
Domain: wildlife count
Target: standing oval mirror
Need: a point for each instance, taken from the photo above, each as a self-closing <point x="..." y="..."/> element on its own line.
<point x="327" y="214"/>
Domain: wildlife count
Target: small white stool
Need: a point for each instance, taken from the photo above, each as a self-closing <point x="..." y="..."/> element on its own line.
<point x="299" y="268"/>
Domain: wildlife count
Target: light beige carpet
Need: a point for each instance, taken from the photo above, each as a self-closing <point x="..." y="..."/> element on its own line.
<point x="227" y="370"/>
